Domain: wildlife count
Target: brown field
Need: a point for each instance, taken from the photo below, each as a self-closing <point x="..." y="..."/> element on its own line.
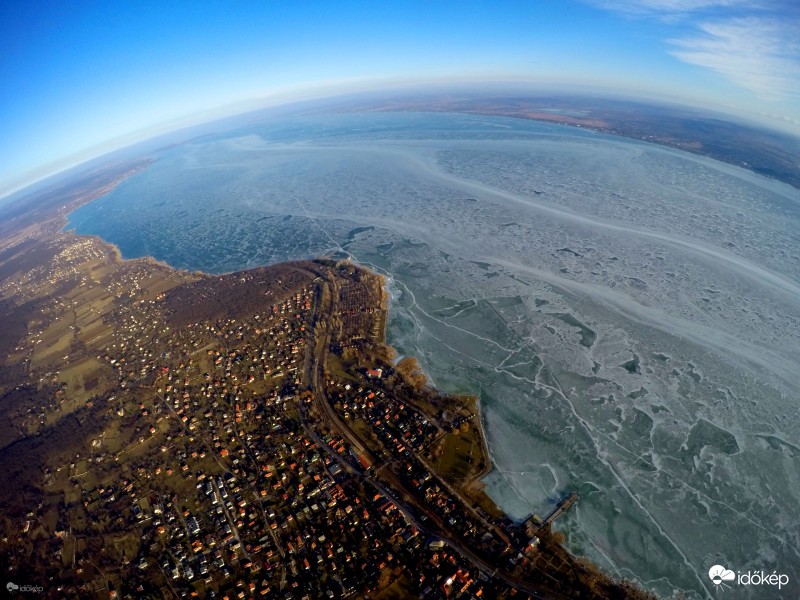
<point x="67" y="551"/>
<point x="56" y="340"/>
<point x="400" y="588"/>
<point x="340" y="369"/>
<point x="459" y="454"/>
<point x="82" y="378"/>
<point x="126" y="546"/>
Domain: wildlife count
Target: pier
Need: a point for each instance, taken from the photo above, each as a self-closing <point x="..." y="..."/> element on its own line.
<point x="535" y="523"/>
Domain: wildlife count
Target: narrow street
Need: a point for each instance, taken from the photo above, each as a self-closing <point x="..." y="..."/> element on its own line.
<point x="315" y="369"/>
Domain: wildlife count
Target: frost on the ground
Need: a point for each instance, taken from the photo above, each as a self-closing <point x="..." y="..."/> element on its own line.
<point x="629" y="314"/>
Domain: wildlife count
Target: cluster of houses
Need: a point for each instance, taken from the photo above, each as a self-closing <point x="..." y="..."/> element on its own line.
<point x="65" y="264"/>
<point x="227" y="495"/>
<point x="79" y="314"/>
<point x="396" y="424"/>
<point x="406" y="436"/>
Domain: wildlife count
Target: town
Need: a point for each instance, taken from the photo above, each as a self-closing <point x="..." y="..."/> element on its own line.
<point x="170" y="434"/>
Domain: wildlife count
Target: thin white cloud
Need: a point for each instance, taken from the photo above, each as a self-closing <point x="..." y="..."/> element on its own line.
<point x="755" y="44"/>
<point x="756" y="53"/>
<point x="671" y="8"/>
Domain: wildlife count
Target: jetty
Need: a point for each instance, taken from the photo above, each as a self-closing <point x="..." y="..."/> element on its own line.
<point x="535" y="523"/>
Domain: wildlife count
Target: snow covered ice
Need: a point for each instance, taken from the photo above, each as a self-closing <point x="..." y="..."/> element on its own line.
<point x="628" y="314"/>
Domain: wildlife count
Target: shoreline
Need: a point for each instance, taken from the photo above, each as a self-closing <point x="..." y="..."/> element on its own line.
<point x="474" y="485"/>
<point x="539" y="549"/>
<point x="392" y="351"/>
<point x="62" y="220"/>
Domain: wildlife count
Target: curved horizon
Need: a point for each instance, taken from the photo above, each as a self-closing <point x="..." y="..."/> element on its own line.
<point x="333" y="91"/>
<point x="87" y="80"/>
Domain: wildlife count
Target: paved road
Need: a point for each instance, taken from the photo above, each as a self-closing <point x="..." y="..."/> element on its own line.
<point x="314" y="374"/>
<point x="479" y="563"/>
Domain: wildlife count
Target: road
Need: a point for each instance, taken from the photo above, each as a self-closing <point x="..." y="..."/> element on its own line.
<point x="315" y="375"/>
<point x="478" y="562"/>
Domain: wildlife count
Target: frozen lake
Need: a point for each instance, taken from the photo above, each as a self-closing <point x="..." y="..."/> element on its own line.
<point x="629" y="314"/>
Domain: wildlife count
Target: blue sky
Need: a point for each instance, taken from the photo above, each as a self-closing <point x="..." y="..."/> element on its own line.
<point x="80" y="78"/>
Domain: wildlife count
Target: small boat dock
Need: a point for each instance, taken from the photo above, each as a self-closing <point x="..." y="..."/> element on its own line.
<point x="535" y="522"/>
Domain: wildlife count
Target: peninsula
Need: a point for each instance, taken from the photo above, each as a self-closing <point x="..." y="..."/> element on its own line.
<point x="170" y="434"/>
